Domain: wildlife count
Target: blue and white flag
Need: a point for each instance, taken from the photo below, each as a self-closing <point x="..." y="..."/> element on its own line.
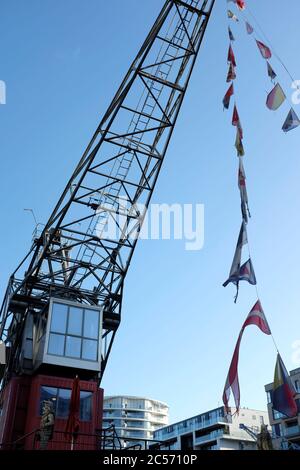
<point x="241" y="272"/>
<point x="244" y="273"/>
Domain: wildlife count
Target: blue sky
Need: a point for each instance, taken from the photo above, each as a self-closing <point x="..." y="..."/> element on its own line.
<point x="62" y="62"/>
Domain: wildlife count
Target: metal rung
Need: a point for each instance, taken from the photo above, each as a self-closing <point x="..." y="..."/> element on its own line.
<point x="171" y="56"/>
<point x="156" y="89"/>
<point x="149" y="105"/>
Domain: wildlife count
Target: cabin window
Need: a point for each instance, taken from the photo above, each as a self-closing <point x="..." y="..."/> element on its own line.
<point x="74" y="332"/>
<point x="61" y="401"/>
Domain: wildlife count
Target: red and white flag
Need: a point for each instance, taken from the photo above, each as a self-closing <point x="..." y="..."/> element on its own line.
<point x="264" y="50"/>
<point x="258" y="318"/>
<point x="231" y="58"/>
<point x="255" y="317"/>
<point x="241" y="4"/>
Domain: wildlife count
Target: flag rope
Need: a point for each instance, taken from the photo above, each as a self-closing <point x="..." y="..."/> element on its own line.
<point x="270" y="43"/>
<point x="258" y="297"/>
<point x="292" y="121"/>
<point x="232" y="381"/>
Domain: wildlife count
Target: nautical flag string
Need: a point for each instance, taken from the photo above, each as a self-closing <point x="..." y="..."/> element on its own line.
<point x="283" y="396"/>
<point x="276" y="96"/>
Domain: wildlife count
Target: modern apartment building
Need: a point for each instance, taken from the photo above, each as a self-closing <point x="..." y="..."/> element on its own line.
<point x="214" y="430"/>
<point x="284" y="429"/>
<point x="134" y="417"/>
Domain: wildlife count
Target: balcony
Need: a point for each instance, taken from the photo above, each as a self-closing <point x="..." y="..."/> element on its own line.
<point x="209" y="422"/>
<point x="193" y="424"/>
<point x="209" y="437"/>
<point x="134" y="415"/>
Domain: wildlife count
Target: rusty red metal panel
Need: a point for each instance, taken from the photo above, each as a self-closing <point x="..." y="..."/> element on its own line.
<point x="14" y="414"/>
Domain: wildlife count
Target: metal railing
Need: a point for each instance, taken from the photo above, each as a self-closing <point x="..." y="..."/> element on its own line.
<point x="102" y="439"/>
<point x="18" y="444"/>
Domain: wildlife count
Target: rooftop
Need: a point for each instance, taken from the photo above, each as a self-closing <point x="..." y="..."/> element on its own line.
<point x="130" y="397"/>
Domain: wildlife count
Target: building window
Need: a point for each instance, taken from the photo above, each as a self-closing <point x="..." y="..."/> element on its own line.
<point x="74" y="332"/>
<point x="261" y="420"/>
<point x="278" y="415"/>
<point x="270" y="396"/>
<point x="276" y="430"/>
<point x="61" y="402"/>
<point x="297" y="385"/>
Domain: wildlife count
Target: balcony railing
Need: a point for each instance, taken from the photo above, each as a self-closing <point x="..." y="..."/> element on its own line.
<point x="209" y="437"/>
<point x="190" y="426"/>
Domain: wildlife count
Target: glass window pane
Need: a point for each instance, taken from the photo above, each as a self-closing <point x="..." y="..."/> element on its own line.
<point x="47" y="393"/>
<point x="73" y="346"/>
<point x="90" y="350"/>
<point x="63" y="403"/>
<point x="59" y="318"/>
<point x="91" y="324"/>
<point x="75" y="321"/>
<point x="86" y="406"/>
<point x="56" y="344"/>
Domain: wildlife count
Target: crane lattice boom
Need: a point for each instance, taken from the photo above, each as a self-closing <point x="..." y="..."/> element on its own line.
<point x="75" y="256"/>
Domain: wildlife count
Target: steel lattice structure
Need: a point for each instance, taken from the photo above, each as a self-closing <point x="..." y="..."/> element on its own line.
<point x="73" y="257"/>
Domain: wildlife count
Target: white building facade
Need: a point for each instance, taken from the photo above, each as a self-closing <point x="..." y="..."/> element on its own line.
<point x="214" y="430"/>
<point x="134" y="417"/>
<point x="285" y="430"/>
